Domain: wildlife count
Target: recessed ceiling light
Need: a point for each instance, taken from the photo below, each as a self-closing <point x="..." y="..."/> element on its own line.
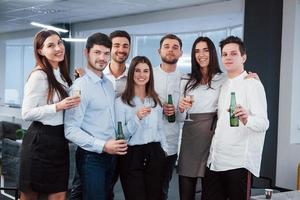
<point x="49" y="27"/>
<point x="74" y="39"/>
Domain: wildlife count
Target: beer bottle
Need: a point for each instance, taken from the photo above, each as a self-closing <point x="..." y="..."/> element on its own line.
<point x="171" y="119"/>
<point x="234" y="121"/>
<point x="120" y="135"/>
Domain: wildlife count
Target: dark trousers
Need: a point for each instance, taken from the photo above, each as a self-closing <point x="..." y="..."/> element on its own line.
<point x="187" y="187"/>
<point x="141" y="172"/>
<point x="115" y="178"/>
<point x="232" y="184"/>
<point x="167" y="175"/>
<point x="76" y="189"/>
<point x="96" y="171"/>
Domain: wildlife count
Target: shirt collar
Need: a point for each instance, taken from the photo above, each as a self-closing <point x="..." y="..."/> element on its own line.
<point x="94" y="77"/>
<point x="239" y="77"/>
<point x="56" y="71"/>
<point x="108" y="72"/>
<point x="166" y="73"/>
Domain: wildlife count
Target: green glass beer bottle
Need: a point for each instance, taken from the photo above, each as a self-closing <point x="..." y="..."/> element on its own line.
<point x="120" y="135"/>
<point x="171" y="119"/>
<point x="234" y="121"/>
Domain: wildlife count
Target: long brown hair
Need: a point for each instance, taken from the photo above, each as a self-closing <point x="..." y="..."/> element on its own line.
<point x="196" y="77"/>
<point x="128" y="93"/>
<point x="42" y="61"/>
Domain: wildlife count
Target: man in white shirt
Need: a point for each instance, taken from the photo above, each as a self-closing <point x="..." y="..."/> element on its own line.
<point x="167" y="81"/>
<point x="236" y="152"/>
<point x="116" y="71"/>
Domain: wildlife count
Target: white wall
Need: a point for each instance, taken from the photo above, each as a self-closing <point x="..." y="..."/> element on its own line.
<point x="288" y="152"/>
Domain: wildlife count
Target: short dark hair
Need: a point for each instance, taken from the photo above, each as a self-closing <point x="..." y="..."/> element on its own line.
<point x="170" y="36"/>
<point x="120" y="33"/>
<point x="98" y="39"/>
<point x="235" y="40"/>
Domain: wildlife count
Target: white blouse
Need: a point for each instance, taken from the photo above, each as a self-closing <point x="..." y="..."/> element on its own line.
<point x="205" y="98"/>
<point x="35" y="106"/>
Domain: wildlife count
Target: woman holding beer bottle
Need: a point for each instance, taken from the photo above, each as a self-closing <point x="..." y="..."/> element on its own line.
<point x="139" y="110"/>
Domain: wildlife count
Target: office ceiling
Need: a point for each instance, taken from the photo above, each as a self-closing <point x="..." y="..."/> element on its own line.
<point x="16" y="15"/>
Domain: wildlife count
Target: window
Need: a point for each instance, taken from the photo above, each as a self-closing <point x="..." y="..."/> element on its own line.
<point x="148" y="46"/>
<point x="19" y="61"/>
<point x="13" y="75"/>
<point x="184" y="63"/>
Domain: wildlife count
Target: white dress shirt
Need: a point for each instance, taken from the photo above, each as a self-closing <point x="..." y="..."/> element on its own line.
<point x="119" y="83"/>
<point x="35" y="106"/>
<point x="240" y="147"/>
<point x="169" y="83"/>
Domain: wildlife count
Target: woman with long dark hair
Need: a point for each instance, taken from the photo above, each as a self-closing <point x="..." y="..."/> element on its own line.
<point x="139" y="110"/>
<point x="204" y="85"/>
<point x="44" y="167"/>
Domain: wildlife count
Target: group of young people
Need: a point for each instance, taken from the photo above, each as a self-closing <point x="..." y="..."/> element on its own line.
<point x="137" y="96"/>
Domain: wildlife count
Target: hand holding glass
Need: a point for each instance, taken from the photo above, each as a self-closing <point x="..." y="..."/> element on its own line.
<point x="76" y="93"/>
<point x="147" y="105"/>
<point x="191" y="99"/>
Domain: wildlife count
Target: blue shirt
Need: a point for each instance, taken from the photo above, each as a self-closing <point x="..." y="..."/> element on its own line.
<point x="144" y="131"/>
<point x="91" y="124"/>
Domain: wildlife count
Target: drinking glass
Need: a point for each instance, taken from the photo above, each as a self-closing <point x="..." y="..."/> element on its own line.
<point x="188" y="118"/>
<point x="147" y="104"/>
<point x="76" y="92"/>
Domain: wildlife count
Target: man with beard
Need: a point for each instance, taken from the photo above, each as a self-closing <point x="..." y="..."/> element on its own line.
<point x="95" y="138"/>
<point x="167" y="81"/>
<point x="116" y="72"/>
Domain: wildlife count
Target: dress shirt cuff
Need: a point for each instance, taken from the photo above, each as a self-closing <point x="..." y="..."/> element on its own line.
<point x="250" y="122"/>
<point x="181" y="116"/>
<point x="50" y="108"/>
<point x="137" y="120"/>
<point x="99" y="145"/>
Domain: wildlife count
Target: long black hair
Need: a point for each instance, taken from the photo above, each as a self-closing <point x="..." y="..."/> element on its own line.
<point x="196" y="77"/>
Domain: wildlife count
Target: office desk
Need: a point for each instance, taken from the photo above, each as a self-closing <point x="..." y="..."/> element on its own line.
<point x="291" y="195"/>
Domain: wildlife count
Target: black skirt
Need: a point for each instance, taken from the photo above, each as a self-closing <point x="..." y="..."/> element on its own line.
<point x="44" y="166"/>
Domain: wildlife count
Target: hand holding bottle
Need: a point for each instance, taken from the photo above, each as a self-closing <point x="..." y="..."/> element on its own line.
<point x="169" y="109"/>
<point x="241" y="113"/>
<point x="118" y="147"/>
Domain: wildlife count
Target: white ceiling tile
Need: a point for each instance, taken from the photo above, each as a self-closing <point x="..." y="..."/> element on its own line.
<point x="22" y="12"/>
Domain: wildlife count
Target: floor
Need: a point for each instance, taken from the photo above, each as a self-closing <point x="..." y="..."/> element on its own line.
<point x="173" y="191"/>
